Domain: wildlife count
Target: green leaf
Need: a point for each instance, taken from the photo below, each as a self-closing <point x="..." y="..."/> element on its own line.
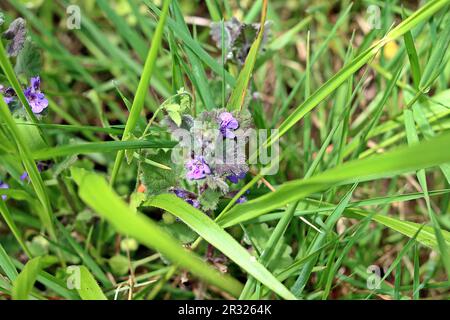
<point x="29" y="60"/>
<point x="141" y="92"/>
<point x="155" y="179"/>
<point x="89" y="288"/>
<point x="215" y="235"/>
<point x="24" y="283"/>
<point x="209" y="199"/>
<point x="94" y="190"/>
<point x="175" y="116"/>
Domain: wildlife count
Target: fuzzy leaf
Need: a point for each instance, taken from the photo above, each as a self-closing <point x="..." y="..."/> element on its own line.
<point x="28" y="60"/>
<point x="209" y="199"/>
<point x="157" y="180"/>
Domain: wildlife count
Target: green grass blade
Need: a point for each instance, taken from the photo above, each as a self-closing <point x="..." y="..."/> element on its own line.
<point x="13" y="227"/>
<point x="30" y="166"/>
<point x="406" y="159"/>
<point x="94" y="190"/>
<point x="187" y="40"/>
<point x="100" y="147"/>
<point x="24" y="283"/>
<point x="7" y="265"/>
<point x="306" y="271"/>
<point x="239" y="93"/>
<point x="413" y="58"/>
<point x="85" y="257"/>
<point x="139" y="98"/>
<point x="413" y="138"/>
<point x="433" y="66"/>
<point x="339" y="78"/>
<point x="220" y="239"/>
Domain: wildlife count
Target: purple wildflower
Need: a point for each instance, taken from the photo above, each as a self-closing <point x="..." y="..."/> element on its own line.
<point x="187" y="196"/>
<point x="234" y="178"/>
<point x="24" y="176"/>
<point x="35" y="97"/>
<point x="242" y="198"/>
<point x="4" y="185"/>
<point x="8" y="94"/>
<point x="193" y="202"/>
<point x="198" y="168"/>
<point x="228" y="124"/>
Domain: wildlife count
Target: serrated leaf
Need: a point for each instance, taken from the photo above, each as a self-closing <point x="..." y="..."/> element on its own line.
<point x="209" y="199"/>
<point x="157" y="180"/>
<point x="174" y="107"/>
<point x="175" y="116"/>
<point x="29" y="60"/>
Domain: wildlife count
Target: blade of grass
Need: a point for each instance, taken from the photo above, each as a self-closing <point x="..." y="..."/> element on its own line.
<point x="215" y="235"/>
<point x="413" y="58"/>
<point x="24" y="282"/>
<point x="334" y="82"/>
<point x="7" y="265"/>
<point x="100" y="147"/>
<point x="13" y="227"/>
<point x="139" y="98"/>
<point x="306" y="271"/>
<point x="30" y="166"/>
<point x="94" y="190"/>
<point x="413" y="139"/>
<point x="404" y="159"/>
<point x="237" y="98"/>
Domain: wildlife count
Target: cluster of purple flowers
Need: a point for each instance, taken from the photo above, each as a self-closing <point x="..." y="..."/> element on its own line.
<point x="36" y="99"/>
<point x="207" y="175"/>
<point x="198" y="168"/>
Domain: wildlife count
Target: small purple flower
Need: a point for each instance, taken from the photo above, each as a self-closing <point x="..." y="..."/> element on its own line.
<point x="228" y="124"/>
<point x="198" y="168"/>
<point x="24" y="176"/>
<point x="4" y="185"/>
<point x="234" y="178"/>
<point x="193" y="202"/>
<point x="35" y="97"/>
<point x="8" y="94"/>
<point x="241" y="199"/>
<point x="35" y="83"/>
<point x="187" y="196"/>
